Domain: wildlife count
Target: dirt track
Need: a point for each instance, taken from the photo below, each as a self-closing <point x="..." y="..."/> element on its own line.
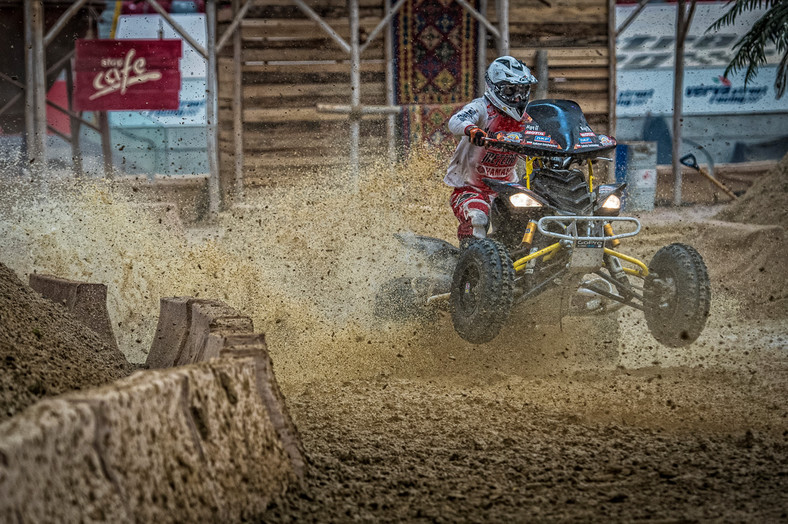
<point x="406" y="422"/>
<point x="548" y="432"/>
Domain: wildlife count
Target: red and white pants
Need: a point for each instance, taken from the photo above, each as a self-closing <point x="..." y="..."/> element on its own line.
<point x="469" y="197"/>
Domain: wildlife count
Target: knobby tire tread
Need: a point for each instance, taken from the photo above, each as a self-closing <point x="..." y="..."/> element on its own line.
<point x="693" y="296"/>
<point x="486" y="323"/>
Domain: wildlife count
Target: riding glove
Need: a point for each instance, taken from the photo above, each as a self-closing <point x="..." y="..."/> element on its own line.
<point x="476" y="135"/>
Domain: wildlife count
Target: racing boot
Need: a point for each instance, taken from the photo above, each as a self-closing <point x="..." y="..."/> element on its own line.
<point x="479" y="222"/>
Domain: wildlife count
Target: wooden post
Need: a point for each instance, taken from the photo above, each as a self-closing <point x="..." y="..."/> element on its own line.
<point x="390" y="95"/>
<point x="214" y="185"/>
<point x="682" y="26"/>
<point x="35" y="84"/>
<point x="612" y="84"/>
<point x="106" y="146"/>
<point x="74" y="123"/>
<point x="542" y="74"/>
<point x="238" y="107"/>
<point x="355" y="92"/>
<point x="503" y="26"/>
<point x="482" y="56"/>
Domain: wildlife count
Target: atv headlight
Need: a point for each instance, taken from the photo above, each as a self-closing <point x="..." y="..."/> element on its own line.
<point x="611" y="203"/>
<point x="524" y="200"/>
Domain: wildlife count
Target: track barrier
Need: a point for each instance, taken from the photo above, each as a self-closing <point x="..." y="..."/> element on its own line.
<point x="87" y="302"/>
<point x="208" y="438"/>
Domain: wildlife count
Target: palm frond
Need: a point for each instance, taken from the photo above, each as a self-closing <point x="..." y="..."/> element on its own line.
<point x="782" y="76"/>
<point x="739" y="7"/>
<point x="772" y="27"/>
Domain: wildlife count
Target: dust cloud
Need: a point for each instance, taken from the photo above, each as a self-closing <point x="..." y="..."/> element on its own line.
<point x="304" y="260"/>
<point x="590" y="419"/>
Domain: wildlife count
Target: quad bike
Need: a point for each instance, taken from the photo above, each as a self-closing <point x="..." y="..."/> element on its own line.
<point x="552" y="247"/>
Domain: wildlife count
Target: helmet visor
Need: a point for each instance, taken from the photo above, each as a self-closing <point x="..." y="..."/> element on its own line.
<point x="514" y="92"/>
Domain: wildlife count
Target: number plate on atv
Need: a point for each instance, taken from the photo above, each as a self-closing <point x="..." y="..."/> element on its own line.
<point x="588" y="259"/>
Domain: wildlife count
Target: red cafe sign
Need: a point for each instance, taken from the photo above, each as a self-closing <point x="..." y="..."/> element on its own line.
<point x="116" y="75"/>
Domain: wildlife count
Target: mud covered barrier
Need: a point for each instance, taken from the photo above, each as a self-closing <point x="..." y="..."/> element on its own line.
<point x="86" y="301"/>
<point x="210" y="441"/>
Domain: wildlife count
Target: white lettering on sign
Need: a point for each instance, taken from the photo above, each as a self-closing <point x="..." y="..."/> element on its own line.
<point x="121" y="74"/>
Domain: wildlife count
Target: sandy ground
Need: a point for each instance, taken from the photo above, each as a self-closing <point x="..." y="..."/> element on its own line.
<point x="530" y="430"/>
<point x="404" y="421"/>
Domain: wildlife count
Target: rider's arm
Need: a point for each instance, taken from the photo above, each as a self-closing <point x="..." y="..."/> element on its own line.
<point x="472" y="115"/>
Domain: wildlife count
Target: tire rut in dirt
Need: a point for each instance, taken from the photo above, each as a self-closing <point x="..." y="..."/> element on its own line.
<point x="482" y="291"/>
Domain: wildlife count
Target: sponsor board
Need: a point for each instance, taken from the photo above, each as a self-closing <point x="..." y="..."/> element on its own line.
<point x="645" y="55"/>
<point x="126" y="74"/>
<point x="706" y="92"/>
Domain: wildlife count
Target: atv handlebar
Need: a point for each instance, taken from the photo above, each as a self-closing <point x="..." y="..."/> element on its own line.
<point x="529" y="150"/>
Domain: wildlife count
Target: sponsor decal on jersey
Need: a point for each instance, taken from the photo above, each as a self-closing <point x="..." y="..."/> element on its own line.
<point x="605" y="140"/>
<point x="542" y="139"/>
<point x="587" y="133"/>
<point x="468" y="114"/>
<point x="586" y="140"/>
<point x="494" y="159"/>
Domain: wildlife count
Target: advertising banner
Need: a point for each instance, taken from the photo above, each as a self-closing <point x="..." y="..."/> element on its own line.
<point x="645" y="55"/>
<point x="114" y="75"/>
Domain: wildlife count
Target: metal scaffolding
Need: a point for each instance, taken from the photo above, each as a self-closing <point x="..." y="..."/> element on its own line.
<point x="35" y="78"/>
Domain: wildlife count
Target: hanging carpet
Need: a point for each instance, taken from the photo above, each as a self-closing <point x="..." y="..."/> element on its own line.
<point x="436" y="73"/>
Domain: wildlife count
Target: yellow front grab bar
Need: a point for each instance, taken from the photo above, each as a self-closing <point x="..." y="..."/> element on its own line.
<point x="643" y="267"/>
<point x="521" y="262"/>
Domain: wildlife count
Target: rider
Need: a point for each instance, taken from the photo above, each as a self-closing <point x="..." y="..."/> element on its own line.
<point x="502" y="108"/>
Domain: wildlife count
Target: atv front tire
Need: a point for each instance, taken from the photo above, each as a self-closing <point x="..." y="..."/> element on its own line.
<point x="482" y="291"/>
<point x="677" y="295"/>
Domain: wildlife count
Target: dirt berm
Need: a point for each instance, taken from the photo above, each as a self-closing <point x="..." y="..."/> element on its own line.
<point x="189" y="444"/>
<point x="209" y="441"/>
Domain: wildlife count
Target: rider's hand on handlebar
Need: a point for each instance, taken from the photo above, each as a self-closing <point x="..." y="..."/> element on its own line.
<point x="476" y="135"/>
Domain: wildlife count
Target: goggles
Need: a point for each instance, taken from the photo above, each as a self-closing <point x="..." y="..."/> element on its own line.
<point x="511" y="92"/>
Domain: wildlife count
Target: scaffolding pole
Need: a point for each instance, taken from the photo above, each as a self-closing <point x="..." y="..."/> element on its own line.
<point x="355" y="109"/>
<point x="238" y="105"/>
<point x="391" y="129"/>
<point x="35" y="85"/>
<point x="481" y="65"/>
<point x="683" y="21"/>
<point x="211" y="103"/>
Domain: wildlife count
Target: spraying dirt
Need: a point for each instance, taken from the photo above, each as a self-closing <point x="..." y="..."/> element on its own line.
<point x="405" y="421"/>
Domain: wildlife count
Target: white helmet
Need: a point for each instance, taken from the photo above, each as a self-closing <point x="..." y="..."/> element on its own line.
<point x="509" y="84"/>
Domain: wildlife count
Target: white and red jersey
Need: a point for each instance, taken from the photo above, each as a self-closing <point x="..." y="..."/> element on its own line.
<point x="471" y="163"/>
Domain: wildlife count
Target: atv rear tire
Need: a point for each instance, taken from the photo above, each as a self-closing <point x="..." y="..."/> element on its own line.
<point x="482" y="291"/>
<point x="677" y="295"/>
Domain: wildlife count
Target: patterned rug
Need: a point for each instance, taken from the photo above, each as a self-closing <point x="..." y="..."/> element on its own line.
<point x="428" y="123"/>
<point x="436" y="48"/>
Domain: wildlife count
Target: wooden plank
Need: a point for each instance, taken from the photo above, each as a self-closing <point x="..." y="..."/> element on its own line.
<point x="316" y="4"/>
<point x="297" y="28"/>
<point x="563" y="60"/>
<point x="565" y="14"/>
<point x="299" y="114"/>
<point x="570" y="34"/>
<point x="283" y="141"/>
<point x="367" y="66"/>
<point x="261" y="91"/>
<point x="306" y="54"/>
<point x="578" y="72"/>
<point x="268" y="164"/>
<point x="577" y="86"/>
